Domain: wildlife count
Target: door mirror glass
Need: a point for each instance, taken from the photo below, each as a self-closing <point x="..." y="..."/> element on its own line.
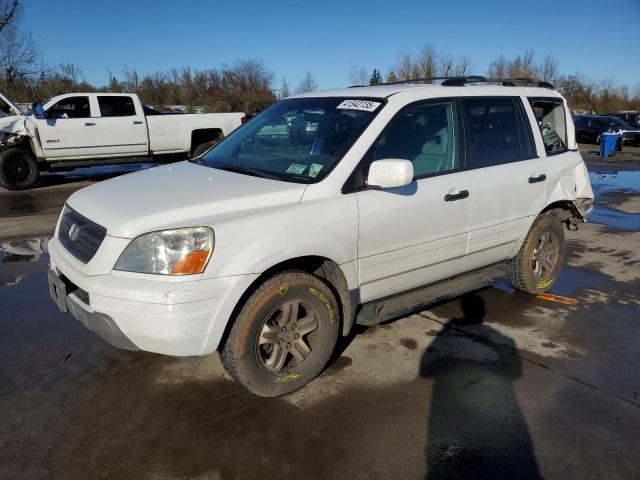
<point x="390" y="173"/>
<point x="38" y="110"/>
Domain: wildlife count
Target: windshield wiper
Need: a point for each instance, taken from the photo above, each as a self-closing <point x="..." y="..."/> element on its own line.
<point x="230" y="167"/>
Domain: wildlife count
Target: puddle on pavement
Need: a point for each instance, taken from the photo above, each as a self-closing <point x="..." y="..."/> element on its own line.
<point x="615" y="218"/>
<point x="608" y="183"/>
<point x="21" y="258"/>
<point x="572" y="281"/>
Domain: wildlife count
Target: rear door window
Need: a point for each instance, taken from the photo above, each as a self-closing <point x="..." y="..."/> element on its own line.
<point x="116" y="106"/>
<point x="496" y="132"/>
<point x="550" y="115"/>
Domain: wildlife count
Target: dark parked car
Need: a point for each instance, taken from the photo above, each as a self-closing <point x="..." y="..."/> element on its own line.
<point x="589" y="128"/>
<point x="630" y="118"/>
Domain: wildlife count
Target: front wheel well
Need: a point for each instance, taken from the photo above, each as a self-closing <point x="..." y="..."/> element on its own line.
<point x="322" y="267"/>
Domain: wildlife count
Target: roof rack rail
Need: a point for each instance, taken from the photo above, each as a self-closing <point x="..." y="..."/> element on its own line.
<point x="461" y="81"/>
<point x="512" y="82"/>
<point x="452" y="80"/>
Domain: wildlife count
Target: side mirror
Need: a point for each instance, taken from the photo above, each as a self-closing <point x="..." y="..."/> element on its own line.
<point x="38" y="110"/>
<point x="390" y="173"/>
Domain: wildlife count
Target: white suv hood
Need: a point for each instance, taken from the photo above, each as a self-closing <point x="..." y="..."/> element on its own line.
<point x="178" y="195"/>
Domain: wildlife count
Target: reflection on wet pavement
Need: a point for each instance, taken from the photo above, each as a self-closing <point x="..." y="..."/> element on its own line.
<point x="604" y="181"/>
<point x="615" y="218"/>
<point x="20" y="258"/>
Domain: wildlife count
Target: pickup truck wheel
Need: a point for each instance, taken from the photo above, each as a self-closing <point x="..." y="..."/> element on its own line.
<point x="541" y="256"/>
<point x="203" y="147"/>
<point x="18" y="169"/>
<point x="283" y="336"/>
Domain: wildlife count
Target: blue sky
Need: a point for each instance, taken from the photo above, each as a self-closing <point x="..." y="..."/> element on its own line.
<point x="598" y="38"/>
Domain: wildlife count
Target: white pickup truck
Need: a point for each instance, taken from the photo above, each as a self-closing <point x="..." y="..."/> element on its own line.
<point x="83" y="129"/>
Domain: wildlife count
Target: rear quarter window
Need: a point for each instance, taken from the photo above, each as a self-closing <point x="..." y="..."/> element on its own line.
<point x="552" y="122"/>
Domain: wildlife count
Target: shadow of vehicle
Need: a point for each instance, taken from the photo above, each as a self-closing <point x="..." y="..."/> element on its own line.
<point x="475" y="428"/>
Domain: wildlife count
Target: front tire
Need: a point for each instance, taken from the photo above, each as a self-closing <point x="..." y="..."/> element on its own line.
<point x="284" y="335"/>
<point x="18" y="169"/>
<point x="540" y="258"/>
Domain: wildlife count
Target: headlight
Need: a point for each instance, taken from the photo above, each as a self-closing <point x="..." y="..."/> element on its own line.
<point x="182" y="251"/>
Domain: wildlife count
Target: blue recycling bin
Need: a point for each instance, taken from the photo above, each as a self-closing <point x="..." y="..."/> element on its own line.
<point x="608" y="142"/>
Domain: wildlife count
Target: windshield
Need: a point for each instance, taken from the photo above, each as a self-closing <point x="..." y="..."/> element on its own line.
<point x="296" y="140"/>
<point x="614" y="122"/>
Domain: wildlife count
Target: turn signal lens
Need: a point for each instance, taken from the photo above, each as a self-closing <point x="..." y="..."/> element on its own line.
<point x="193" y="262"/>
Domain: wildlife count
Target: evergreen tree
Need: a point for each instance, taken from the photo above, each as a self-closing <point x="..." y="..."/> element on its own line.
<point x="376" y="78"/>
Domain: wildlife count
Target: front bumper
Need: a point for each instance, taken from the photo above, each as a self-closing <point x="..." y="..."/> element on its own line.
<point x="182" y="318"/>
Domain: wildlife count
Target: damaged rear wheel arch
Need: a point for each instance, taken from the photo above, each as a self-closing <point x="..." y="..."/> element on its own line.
<point x="566" y="211"/>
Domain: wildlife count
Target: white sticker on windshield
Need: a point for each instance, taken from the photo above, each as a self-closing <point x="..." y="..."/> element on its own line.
<point x="366" y="105"/>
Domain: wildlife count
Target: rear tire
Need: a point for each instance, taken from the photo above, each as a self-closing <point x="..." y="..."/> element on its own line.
<point x="283" y="336"/>
<point x="18" y="169"/>
<point x="540" y="258"/>
<point x="203" y="147"/>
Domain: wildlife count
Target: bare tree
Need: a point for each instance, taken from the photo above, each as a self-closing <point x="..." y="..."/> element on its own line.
<point x="548" y="70"/>
<point x="8" y="12"/>
<point x="522" y="66"/>
<point x="131" y="80"/>
<point x="427" y="60"/>
<point x="307" y="84"/>
<point x="359" y="76"/>
<point x="247" y="86"/>
<point x="446" y="65"/>
<point x="498" y="68"/>
<point x="404" y="67"/>
<point x="19" y="56"/>
<point x="284" y="88"/>
<point x="580" y="92"/>
<point x="71" y="73"/>
<point x="462" y="67"/>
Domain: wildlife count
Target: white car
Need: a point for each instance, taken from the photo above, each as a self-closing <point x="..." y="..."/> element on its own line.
<point x="83" y="129"/>
<point x="406" y="194"/>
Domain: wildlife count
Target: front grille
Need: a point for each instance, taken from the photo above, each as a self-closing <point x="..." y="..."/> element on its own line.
<point x="79" y="235"/>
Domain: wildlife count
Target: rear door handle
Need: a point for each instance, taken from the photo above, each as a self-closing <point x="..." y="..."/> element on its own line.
<point x="88" y="124"/>
<point x="452" y="197"/>
<point x="136" y="122"/>
<point x="539" y="178"/>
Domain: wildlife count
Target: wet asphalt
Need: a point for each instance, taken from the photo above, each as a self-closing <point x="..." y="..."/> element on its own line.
<point x="496" y="384"/>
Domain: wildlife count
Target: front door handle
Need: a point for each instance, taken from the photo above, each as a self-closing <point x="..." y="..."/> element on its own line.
<point x="539" y="178"/>
<point x="88" y="124"/>
<point x="136" y="122"/>
<point x="452" y="197"/>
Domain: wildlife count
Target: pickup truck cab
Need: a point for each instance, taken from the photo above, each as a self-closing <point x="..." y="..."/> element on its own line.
<point x="281" y="237"/>
<point x="81" y="129"/>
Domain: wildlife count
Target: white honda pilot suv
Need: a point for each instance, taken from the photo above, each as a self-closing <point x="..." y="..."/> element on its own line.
<point x="329" y="208"/>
